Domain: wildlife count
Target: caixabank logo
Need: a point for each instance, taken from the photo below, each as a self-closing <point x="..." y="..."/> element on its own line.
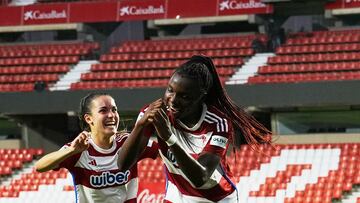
<point x="138" y="10"/>
<point x="237" y="4"/>
<point x="39" y="15"/>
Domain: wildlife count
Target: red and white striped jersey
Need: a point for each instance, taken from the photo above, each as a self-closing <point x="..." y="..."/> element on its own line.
<point x="210" y="134"/>
<point x="97" y="177"/>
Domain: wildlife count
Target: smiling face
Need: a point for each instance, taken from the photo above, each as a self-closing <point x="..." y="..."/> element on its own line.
<point x="184" y="99"/>
<point x="104" y="118"/>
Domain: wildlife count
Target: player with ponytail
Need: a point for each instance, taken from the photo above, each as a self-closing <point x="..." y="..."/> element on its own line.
<point x="195" y="122"/>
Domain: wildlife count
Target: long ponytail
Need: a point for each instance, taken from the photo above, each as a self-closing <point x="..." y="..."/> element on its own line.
<point x="252" y="132"/>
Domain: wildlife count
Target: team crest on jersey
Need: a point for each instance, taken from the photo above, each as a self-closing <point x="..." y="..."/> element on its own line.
<point x="219" y="141"/>
<point x="108" y="179"/>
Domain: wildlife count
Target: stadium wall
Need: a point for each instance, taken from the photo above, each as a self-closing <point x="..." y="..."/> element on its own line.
<point x="317" y="138"/>
<point x="340" y="93"/>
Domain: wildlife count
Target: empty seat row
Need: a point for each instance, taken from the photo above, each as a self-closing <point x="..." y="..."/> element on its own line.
<point x="118" y="84"/>
<point x="32" y="151"/>
<point x="5" y="171"/>
<point x="160" y="64"/>
<point x="336" y="32"/>
<point x="17" y="87"/>
<point x="324" y="40"/>
<point x="28" y="78"/>
<point x="210" y="40"/>
<point x="34" y="69"/>
<point x="310" y="67"/>
<point x="312" y="58"/>
<point x="13" y="164"/>
<point x="44" y="52"/>
<point x="135" y="83"/>
<point x="136" y="74"/>
<point x="318" y="48"/>
<point x="326" y="33"/>
<point x="175" y="55"/>
<point x="182" y="46"/>
<point x="14" y="157"/>
<point x="39" y="60"/>
<point x="111" y="75"/>
<point x="304" y="77"/>
<point x="49" y="174"/>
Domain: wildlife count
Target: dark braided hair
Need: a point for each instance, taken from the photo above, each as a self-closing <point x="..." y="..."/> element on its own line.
<point x="85" y="108"/>
<point x="202" y="69"/>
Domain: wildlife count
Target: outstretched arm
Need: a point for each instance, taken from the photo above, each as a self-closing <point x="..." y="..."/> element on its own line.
<point x="199" y="170"/>
<point x="136" y="143"/>
<point x="53" y="159"/>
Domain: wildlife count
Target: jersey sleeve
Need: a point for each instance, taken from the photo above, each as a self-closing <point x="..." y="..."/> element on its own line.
<point x="151" y="150"/>
<point x="220" y="139"/>
<point x="70" y="161"/>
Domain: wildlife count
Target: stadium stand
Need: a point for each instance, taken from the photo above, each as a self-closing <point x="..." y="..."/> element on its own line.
<point x="150" y="63"/>
<point x="23" y="65"/>
<point x="288" y="173"/>
<point x="313" y="57"/>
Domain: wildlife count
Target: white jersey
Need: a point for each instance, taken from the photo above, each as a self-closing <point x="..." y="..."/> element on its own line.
<point x="211" y="134"/>
<point x="97" y="178"/>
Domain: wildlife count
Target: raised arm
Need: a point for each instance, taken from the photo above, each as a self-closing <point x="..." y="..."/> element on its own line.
<point x="53" y="159"/>
<point x="136" y="143"/>
<point x="199" y="170"/>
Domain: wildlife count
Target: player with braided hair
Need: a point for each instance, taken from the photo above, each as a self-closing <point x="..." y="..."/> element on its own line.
<point x="195" y="122"/>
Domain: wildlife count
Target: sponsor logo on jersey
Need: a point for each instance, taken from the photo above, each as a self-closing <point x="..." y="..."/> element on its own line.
<point x="219" y="141"/>
<point x="93" y="162"/>
<point x="108" y="179"/>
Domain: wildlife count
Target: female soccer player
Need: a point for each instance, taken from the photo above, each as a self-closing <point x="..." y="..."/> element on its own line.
<point x="92" y="156"/>
<point x="195" y="122"/>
